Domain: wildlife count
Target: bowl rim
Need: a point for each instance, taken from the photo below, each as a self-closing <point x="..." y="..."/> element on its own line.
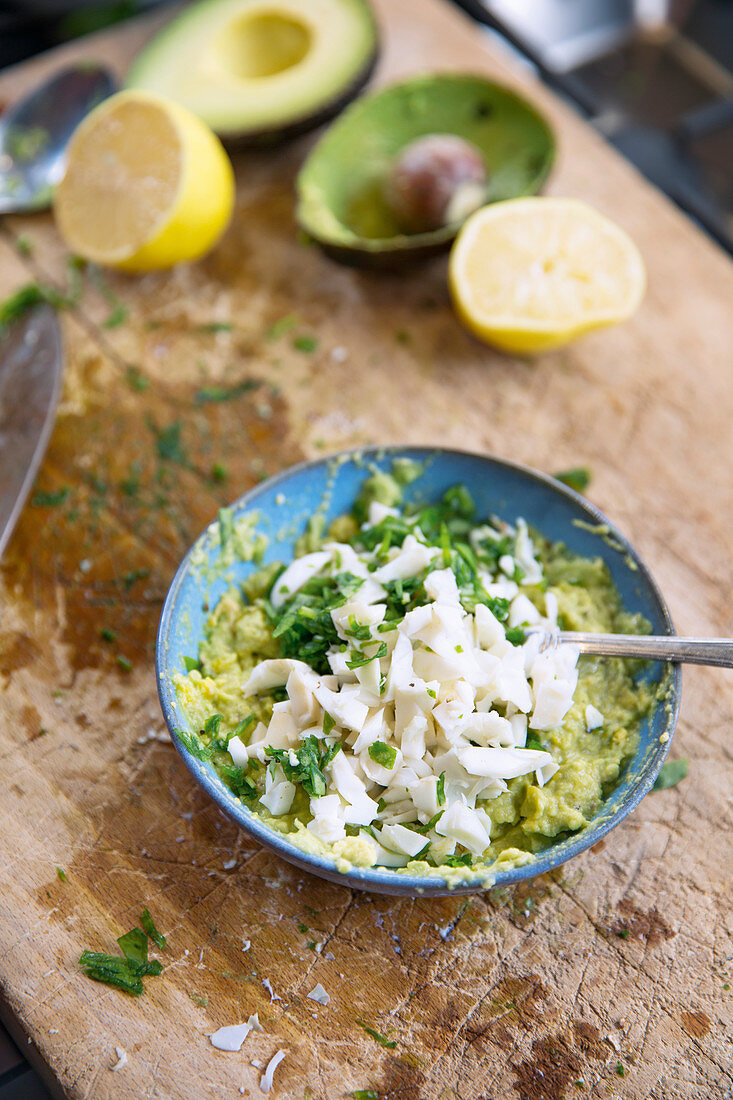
<point x="383" y="880"/>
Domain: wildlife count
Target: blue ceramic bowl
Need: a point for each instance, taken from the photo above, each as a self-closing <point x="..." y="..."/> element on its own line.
<point x="286" y="502"/>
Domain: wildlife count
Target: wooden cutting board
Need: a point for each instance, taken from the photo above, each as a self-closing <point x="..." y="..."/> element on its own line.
<point x="610" y="978"/>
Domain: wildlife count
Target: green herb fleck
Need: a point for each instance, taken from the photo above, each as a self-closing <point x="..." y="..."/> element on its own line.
<point x="620" y="1069"/>
<point x="281" y="327"/>
<point x="358" y="662"/>
<point x="463" y="860"/>
<point x="152" y="932"/>
<point x="313" y="757"/>
<point x="365" y="1094"/>
<point x="219" y="472"/>
<point x="383" y="754"/>
<point x="303" y="928"/>
<point x="117" y="316"/>
<point x="328" y="723"/>
<point x="191" y="663"/>
<point x="440" y="789"/>
<point x="134" y="946"/>
<point x="215" y="393"/>
<point x="672" y="772"/>
<point x="215" y="326"/>
<point x="61" y="873"/>
<point x="168" y="442"/>
<point x="578" y="478"/>
<point x="383" y="1041"/>
<point x="50" y="500"/>
<point x="134" y="576"/>
<point x="136" y="380"/>
<point x="533" y="742"/>
<point x="305" y="343"/>
<point x="124" y="662"/>
<point x="24" y="245"/>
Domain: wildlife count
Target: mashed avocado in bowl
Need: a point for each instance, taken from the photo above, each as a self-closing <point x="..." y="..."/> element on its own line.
<point x="347" y="664"/>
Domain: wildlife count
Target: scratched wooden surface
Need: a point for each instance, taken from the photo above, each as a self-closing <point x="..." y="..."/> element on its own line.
<point x="609" y="979"/>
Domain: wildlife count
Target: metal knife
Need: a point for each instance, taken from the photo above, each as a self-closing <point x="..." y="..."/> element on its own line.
<point x="31" y="366"/>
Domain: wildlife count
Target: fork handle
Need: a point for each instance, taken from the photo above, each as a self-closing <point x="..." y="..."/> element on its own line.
<point x="693" y="651"/>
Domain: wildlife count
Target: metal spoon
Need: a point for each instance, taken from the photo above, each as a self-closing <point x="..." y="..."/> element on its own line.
<point x="35" y="131"/>
<point x="694" y="651"/>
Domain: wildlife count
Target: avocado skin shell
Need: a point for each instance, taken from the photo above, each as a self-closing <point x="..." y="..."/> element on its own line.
<point x="406" y="250"/>
<point x="270" y="136"/>
<point x="278" y="135"/>
<point x="392" y="259"/>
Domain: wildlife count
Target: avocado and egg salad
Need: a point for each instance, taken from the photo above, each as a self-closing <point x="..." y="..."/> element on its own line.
<point x="382" y="701"/>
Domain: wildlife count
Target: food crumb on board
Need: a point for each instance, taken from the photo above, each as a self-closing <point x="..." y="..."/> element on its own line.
<point x="268" y="987"/>
<point x="246" y="946"/>
<point x="231" y="1038"/>
<point x="319" y="995"/>
<point x="266" y="1079"/>
<point x="121" y="1054"/>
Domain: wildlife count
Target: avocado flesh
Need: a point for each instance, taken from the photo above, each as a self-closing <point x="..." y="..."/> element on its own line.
<point x="341" y="201"/>
<point x="261" y="69"/>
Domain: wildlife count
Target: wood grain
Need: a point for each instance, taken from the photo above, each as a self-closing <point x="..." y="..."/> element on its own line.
<point x="623" y="959"/>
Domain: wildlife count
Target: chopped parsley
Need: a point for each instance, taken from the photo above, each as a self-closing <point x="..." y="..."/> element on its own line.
<point x="168" y="443"/>
<point x="577" y="478"/>
<point x="463" y="860"/>
<point x="215" y="393"/>
<point x="305" y="343"/>
<point x="383" y="755"/>
<point x="191" y="663"/>
<point x="383" y="1041"/>
<point x="61" y="873"/>
<point x="124" y="662"/>
<point x="151" y="931"/>
<point x="364" y="659"/>
<point x="136" y="380"/>
<point x="215" y="326"/>
<point x="126" y="971"/>
<point x="440" y="789"/>
<point x="365" y="1094"/>
<point x="50" y="499"/>
<point x="312" y="758"/>
<point x="671" y="773"/>
<point x="117" y="316"/>
<point x="281" y="327"/>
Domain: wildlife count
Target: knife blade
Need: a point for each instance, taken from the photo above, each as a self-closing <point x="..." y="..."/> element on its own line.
<point x="31" y="366"/>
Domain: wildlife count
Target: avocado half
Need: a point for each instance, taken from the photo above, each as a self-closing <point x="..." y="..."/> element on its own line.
<point x="341" y="204"/>
<point x="261" y="71"/>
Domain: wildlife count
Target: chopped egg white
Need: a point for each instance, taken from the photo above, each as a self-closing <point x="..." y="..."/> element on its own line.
<point x="318" y="994"/>
<point x="267" y="1077"/>
<point x="430" y="712"/>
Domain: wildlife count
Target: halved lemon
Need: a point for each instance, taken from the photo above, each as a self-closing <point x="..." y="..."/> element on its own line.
<point x="531" y="274"/>
<point x="147" y="185"/>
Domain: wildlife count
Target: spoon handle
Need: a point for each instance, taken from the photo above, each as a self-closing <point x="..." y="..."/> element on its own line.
<point x="694" y="651"/>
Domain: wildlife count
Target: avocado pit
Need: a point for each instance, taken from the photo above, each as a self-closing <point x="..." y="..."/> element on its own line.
<point x="434" y="181"/>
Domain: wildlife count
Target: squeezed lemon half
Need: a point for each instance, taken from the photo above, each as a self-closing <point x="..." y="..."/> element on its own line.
<point x="528" y="275"/>
<point x="147" y="185"/>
